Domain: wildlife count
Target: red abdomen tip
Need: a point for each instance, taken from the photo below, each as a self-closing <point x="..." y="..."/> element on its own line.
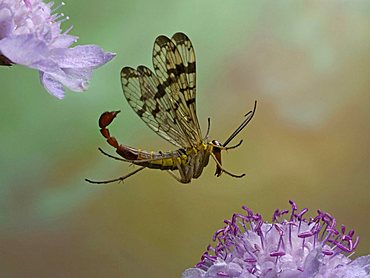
<point x="106" y="118"/>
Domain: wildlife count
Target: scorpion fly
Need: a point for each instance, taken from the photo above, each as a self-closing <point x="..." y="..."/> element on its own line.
<point x="165" y="101"/>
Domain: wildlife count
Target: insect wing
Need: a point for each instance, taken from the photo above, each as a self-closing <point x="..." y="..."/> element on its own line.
<point x="174" y="65"/>
<point x="147" y="98"/>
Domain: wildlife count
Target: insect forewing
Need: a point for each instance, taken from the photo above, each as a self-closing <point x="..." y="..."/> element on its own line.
<point x="165" y="100"/>
<point x="174" y="65"/>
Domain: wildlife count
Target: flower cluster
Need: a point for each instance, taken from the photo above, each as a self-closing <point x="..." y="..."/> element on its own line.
<point x="290" y="246"/>
<point x="30" y="35"/>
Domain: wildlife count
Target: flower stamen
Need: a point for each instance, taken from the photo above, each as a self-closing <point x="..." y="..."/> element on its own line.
<point x="241" y="250"/>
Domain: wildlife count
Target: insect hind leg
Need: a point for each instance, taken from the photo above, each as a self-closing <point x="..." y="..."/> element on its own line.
<point x="116" y="179"/>
<point x="112" y="156"/>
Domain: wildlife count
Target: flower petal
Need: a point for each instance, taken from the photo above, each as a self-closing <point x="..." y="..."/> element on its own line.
<point x="6" y="22"/>
<point x="23" y="49"/>
<point x="358" y="268"/>
<point x="31" y="35"/>
<point x="82" y="56"/>
<point x="48" y="66"/>
<point x="77" y="79"/>
<point x="193" y="273"/>
<point x="64" y="40"/>
<point x="53" y="87"/>
<point x="312" y="262"/>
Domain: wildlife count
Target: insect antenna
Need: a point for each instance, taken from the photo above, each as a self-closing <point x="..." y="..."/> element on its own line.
<point x="248" y="118"/>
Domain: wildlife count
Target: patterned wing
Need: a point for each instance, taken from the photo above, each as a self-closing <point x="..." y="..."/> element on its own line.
<point x="165" y="101"/>
<point x="148" y="99"/>
<point x="174" y="65"/>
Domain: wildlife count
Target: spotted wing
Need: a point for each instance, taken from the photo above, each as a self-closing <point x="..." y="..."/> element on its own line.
<point x="165" y="101"/>
<point x="146" y="96"/>
<point x="174" y="65"/>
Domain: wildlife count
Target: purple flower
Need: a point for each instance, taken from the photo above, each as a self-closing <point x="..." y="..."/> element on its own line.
<point x="30" y="35"/>
<point x="291" y="246"/>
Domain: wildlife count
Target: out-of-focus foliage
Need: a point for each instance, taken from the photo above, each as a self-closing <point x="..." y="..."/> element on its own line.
<point x="307" y="64"/>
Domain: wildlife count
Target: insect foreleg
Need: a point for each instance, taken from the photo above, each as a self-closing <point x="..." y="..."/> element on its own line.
<point x="226" y="148"/>
<point x="232" y="147"/>
<point x="223" y="170"/>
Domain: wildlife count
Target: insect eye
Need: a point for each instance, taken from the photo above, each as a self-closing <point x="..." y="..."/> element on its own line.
<point x="215" y="142"/>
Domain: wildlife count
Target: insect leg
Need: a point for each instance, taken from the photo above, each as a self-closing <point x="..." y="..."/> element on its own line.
<point x="117" y="179"/>
<point x="174" y="176"/>
<point x="184" y="171"/>
<point x="223" y="170"/>
<point x="112" y="156"/>
<point x="233" y="147"/>
<point x="226" y="148"/>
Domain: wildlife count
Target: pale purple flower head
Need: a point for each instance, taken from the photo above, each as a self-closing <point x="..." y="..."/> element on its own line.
<point x="30" y="35"/>
<point x="291" y="246"/>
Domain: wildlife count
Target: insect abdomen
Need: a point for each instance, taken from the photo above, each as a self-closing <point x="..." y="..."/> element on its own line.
<point x="157" y="160"/>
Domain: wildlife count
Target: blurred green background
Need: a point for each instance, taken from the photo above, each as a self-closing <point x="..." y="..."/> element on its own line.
<point x="306" y="62"/>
